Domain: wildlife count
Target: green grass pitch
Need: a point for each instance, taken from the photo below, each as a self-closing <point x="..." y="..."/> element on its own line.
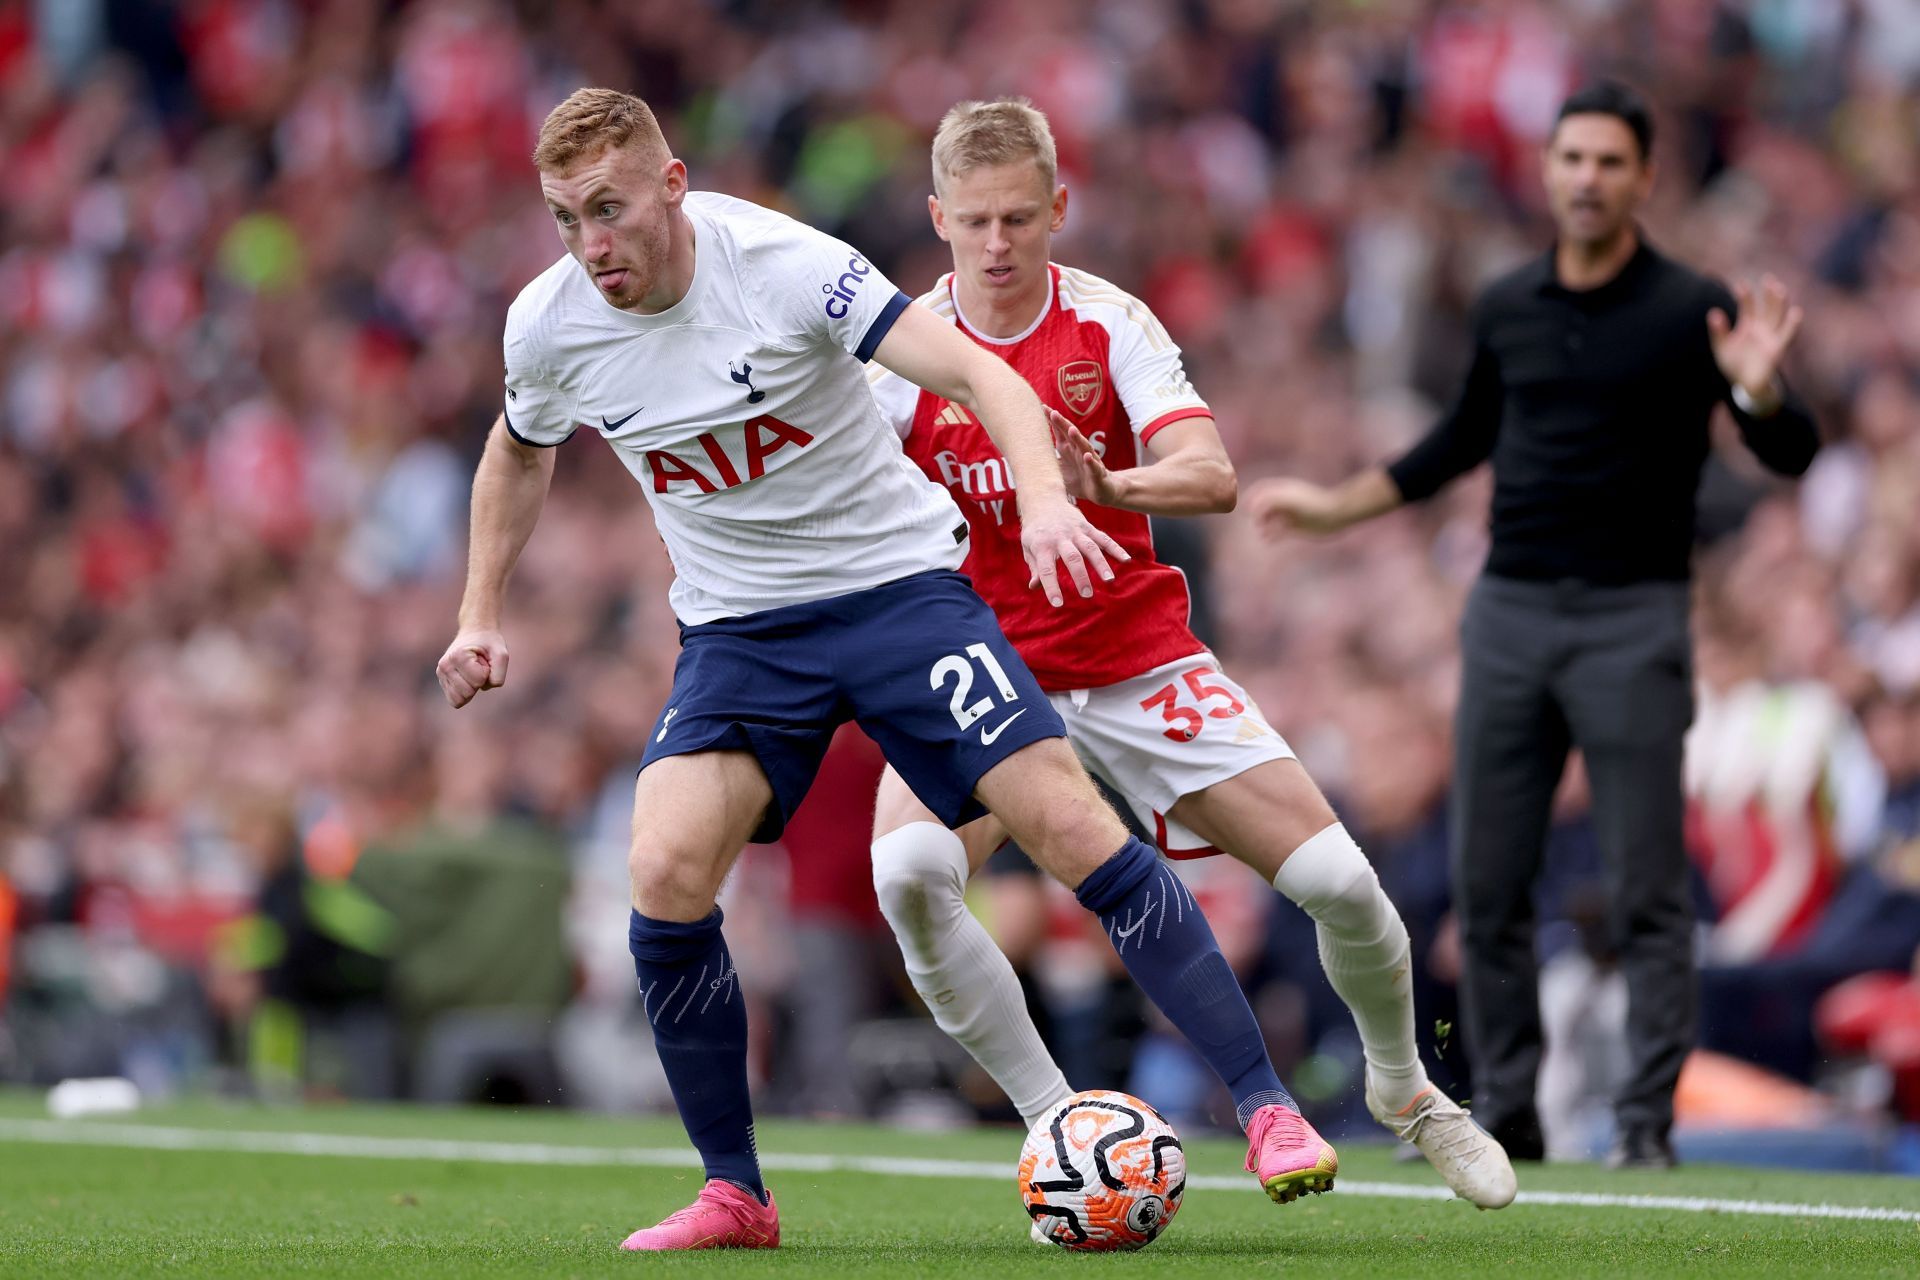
<point x="474" y="1205"/>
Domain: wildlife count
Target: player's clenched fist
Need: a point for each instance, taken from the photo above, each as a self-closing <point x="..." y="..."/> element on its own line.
<point x="475" y="660"/>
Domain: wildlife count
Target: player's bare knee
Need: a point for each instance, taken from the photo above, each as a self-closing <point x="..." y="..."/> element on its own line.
<point x="1052" y="808"/>
<point x="667" y="886"/>
<point x="1072" y="842"/>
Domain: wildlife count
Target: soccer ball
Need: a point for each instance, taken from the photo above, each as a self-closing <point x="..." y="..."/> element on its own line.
<point x="1102" y="1171"/>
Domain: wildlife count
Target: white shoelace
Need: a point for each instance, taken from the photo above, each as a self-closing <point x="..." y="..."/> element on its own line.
<point x="1454" y="1133"/>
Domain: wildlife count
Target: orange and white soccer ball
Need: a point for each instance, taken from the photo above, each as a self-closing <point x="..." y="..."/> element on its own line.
<point x="1102" y="1171"/>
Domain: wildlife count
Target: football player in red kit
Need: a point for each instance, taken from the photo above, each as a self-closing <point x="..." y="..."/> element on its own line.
<point x="1147" y="707"/>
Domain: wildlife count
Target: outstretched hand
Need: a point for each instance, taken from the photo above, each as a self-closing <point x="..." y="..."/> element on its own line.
<point x="1055" y="533"/>
<point x="1085" y="475"/>
<point x="1748" y="350"/>
<point x="475" y="661"/>
<point x="1286" y="506"/>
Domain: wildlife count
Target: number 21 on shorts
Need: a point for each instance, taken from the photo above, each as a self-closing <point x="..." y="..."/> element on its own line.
<point x="966" y="714"/>
<point x="1186" y="722"/>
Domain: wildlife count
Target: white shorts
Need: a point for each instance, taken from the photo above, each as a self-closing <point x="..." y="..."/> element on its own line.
<point x="1173" y="731"/>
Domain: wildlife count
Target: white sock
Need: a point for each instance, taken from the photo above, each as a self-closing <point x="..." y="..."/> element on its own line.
<point x="1364" y="949"/>
<point x="920" y="874"/>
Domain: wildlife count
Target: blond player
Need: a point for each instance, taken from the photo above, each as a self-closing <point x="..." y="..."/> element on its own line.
<point x="1146" y="706"/>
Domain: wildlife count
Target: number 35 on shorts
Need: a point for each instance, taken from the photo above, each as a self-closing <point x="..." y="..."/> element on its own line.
<point x="1191" y="699"/>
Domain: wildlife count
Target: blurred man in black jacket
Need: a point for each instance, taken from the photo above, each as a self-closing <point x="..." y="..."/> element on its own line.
<point x="1596" y="368"/>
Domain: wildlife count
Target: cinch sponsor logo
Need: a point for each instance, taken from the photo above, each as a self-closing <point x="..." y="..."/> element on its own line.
<point x="840" y="292"/>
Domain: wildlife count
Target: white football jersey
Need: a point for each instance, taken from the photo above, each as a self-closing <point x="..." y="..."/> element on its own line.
<point x="743" y="411"/>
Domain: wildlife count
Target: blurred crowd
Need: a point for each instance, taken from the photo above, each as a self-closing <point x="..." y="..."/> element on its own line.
<point x="254" y="260"/>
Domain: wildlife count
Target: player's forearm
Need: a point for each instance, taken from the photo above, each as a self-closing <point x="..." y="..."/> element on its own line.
<point x="1364" y="496"/>
<point x="1180" y="484"/>
<point x="509" y="489"/>
<point x="1013" y="417"/>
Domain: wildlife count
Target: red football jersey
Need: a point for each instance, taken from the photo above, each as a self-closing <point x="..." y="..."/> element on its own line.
<point x="1101" y="358"/>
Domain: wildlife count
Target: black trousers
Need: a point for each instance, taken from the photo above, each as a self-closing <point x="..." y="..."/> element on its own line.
<point x="1549" y="666"/>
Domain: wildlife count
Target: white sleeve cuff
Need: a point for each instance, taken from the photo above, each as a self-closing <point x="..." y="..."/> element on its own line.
<point x="1745" y="403"/>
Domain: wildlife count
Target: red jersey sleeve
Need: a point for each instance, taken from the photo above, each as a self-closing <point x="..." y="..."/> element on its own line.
<point x="1148" y="374"/>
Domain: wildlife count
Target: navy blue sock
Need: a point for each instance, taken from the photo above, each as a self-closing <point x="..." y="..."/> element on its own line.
<point x="688" y="992"/>
<point x="1168" y="947"/>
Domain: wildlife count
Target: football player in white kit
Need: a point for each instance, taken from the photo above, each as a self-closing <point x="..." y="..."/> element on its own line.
<point x="718" y="348"/>
<point x="1146" y="706"/>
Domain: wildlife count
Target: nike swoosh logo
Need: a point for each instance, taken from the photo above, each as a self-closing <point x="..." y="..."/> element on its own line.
<point x="615" y="426"/>
<point x="989" y="736"/>
<point x="667" y="723"/>
<point x="1128" y="933"/>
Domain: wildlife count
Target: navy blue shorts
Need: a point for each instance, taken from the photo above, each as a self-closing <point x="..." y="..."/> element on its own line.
<point x="920" y="663"/>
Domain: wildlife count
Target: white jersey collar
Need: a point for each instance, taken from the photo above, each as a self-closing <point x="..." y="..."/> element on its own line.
<point x="1053" y="288"/>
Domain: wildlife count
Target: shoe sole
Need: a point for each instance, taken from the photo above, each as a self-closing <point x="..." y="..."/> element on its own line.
<point x="1285" y="1188"/>
<point x="707" y="1242"/>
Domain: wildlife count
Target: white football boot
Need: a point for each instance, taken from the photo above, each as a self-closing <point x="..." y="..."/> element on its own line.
<point x="1473" y="1164"/>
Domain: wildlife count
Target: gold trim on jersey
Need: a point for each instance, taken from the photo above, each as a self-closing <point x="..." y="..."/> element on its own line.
<point x="1077" y="286"/>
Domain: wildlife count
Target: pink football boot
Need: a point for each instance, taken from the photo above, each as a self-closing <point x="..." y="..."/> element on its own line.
<point x="722" y="1216"/>
<point x="1287" y="1156"/>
